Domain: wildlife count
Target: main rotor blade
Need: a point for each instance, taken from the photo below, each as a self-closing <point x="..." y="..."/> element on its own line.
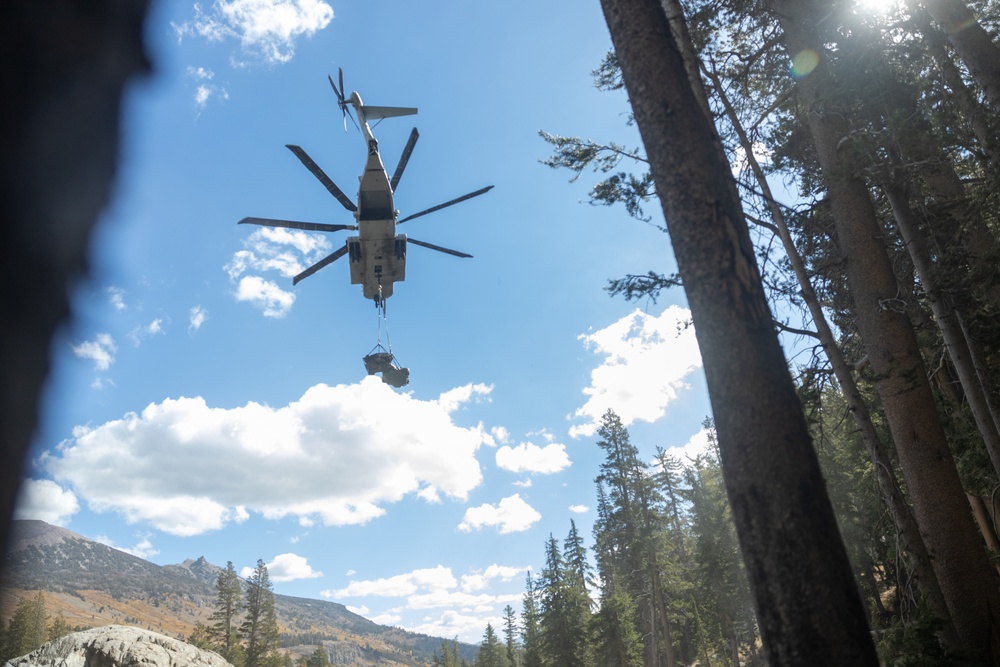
<point x="329" y="259"/>
<point x="294" y="224"/>
<point x="446" y="204"/>
<point x="404" y="158"/>
<point x="437" y="247"/>
<point x="323" y="178"/>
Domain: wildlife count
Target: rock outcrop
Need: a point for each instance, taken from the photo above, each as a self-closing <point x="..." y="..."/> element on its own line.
<point x="118" y="646"/>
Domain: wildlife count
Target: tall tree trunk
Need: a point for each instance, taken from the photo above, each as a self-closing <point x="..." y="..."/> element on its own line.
<point x="906" y="527"/>
<point x="900" y="376"/>
<point x="959" y="349"/>
<point x="808" y="606"/>
<point x="972" y="43"/>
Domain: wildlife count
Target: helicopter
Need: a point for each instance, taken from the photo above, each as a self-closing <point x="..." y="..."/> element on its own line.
<point x="377" y="253"/>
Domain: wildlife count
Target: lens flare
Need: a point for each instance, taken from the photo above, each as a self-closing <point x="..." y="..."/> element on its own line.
<point x="804" y="62"/>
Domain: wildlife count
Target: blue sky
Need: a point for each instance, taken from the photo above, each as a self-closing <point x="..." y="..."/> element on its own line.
<point x="200" y="405"/>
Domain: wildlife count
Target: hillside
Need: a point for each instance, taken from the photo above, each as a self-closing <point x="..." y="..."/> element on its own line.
<point x="92" y="584"/>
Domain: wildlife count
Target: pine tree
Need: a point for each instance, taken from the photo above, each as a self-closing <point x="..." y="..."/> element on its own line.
<point x="224" y="632"/>
<point x="27" y="628"/>
<point x="531" y="632"/>
<point x="259" y="629"/>
<point x="565" y="613"/>
<point x="491" y="651"/>
<point x="510" y="636"/>
<point x="58" y="628"/>
<point x="200" y="637"/>
<point x="320" y="658"/>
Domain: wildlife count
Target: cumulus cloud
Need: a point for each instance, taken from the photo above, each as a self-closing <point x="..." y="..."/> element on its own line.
<point x="116" y="297"/>
<point x="205" y="89"/>
<point x="288" y="252"/>
<point x="698" y="444"/>
<point x="265" y="295"/>
<point x="101" y="351"/>
<point x="350" y="449"/>
<point x="437" y="578"/>
<point x="141" y="332"/>
<point x="465" y="608"/>
<point x="478" y="581"/>
<point x="466" y="627"/>
<point x="46" y="501"/>
<point x="266" y="29"/>
<point x="196" y="317"/>
<point x="531" y="458"/>
<point x="286" y="567"/>
<point x="510" y="515"/>
<point x="579" y="509"/>
<point x="646" y="362"/>
<point x="143" y="549"/>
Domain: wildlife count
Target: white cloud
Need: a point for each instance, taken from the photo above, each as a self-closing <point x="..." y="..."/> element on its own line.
<point x="698" y="444"/>
<point x="289" y="252"/>
<point x="523" y="483"/>
<point x="266" y="29"/>
<point x="478" y="581"/>
<point x="439" y="599"/>
<point x="351" y="449"/>
<point x="46" y="501"/>
<point x="388" y="618"/>
<point x="197" y="317"/>
<point x="579" y="509"/>
<point x="432" y="579"/>
<point x="511" y="515"/>
<point x="142" y="332"/>
<point x="500" y="434"/>
<point x="360" y="611"/>
<point x="646" y="362"/>
<point x="467" y="607"/>
<point x="286" y="567"/>
<point x="265" y="295"/>
<point x="143" y="549"/>
<point x="116" y="297"/>
<point x="101" y="351"/>
<point x="466" y="626"/>
<point x="200" y="73"/>
<point x="531" y="458"/>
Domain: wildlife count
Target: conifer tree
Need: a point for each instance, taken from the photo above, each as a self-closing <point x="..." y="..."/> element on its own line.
<point x="531" y="631"/>
<point x="26" y="630"/>
<point x="565" y="613"/>
<point x="491" y="651"/>
<point x="224" y="631"/>
<point x="510" y="636"/>
<point x="259" y="629"/>
<point x="320" y="658"/>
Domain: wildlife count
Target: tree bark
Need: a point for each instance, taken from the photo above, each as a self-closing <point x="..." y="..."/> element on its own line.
<point x="972" y="43"/>
<point x="940" y="508"/>
<point x="808" y="606"/>
<point x="946" y="317"/>
<point x="906" y="527"/>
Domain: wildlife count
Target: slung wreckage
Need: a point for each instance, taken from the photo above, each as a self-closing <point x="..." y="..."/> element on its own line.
<point x="377" y="255"/>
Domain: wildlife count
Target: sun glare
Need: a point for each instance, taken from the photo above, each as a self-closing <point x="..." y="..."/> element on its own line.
<point x="877" y="6"/>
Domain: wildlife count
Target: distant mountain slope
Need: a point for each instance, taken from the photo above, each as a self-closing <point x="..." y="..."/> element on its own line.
<point x="92" y="584"/>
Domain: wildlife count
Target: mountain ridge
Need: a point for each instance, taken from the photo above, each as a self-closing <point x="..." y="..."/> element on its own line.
<point x="92" y="584"/>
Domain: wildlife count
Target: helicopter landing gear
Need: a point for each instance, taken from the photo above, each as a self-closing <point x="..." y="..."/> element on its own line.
<point x="381" y="359"/>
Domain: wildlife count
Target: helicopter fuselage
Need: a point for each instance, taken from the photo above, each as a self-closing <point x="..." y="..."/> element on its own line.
<point x="377" y="255"/>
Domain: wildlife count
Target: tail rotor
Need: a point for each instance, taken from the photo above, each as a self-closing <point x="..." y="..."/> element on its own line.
<point x="342" y="102"/>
